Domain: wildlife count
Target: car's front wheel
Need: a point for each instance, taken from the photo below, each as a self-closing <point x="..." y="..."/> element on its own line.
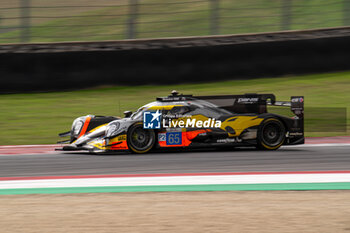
<point x="271" y="134"/>
<point x="140" y="140"/>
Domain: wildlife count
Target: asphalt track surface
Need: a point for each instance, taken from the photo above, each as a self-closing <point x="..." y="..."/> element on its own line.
<point x="299" y="158"/>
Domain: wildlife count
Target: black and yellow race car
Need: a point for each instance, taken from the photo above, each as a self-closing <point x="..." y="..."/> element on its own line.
<point x="186" y="121"/>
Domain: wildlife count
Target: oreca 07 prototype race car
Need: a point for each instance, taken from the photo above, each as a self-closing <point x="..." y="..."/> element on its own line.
<point x="186" y="121"/>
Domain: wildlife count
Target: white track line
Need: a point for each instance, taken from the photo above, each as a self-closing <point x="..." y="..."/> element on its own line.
<point x="178" y="180"/>
<point x="318" y="145"/>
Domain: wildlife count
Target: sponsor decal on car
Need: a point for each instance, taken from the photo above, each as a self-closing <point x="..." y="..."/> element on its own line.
<point x="297" y="100"/>
<point x="226" y="140"/>
<point x="192" y="123"/>
<point x="122" y="137"/>
<point x="174" y="138"/>
<point x="152" y="119"/>
<point x="296" y="134"/>
<point x="155" y="120"/>
<point x="161" y="137"/>
<point x="247" y="100"/>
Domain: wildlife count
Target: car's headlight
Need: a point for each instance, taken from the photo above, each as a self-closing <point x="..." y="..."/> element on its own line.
<point x="112" y="129"/>
<point x="77" y="127"/>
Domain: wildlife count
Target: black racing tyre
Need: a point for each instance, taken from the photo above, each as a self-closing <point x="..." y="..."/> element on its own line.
<point x="271" y="134"/>
<point x="140" y="140"/>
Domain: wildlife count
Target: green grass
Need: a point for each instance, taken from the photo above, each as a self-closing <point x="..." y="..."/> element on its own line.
<point x="158" y="18"/>
<point x="38" y="118"/>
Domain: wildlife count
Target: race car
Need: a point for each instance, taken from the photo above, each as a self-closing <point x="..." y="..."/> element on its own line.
<point x="187" y="121"/>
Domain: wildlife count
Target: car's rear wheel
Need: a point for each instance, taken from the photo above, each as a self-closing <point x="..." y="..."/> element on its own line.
<point x="271" y="134"/>
<point x="140" y="140"/>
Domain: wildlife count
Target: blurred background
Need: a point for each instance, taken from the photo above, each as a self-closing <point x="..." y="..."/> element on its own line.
<point x="87" y="20"/>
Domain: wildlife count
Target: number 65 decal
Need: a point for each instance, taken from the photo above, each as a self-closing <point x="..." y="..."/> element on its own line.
<point x="174" y="138"/>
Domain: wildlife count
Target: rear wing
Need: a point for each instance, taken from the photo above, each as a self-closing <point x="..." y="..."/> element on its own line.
<point x="296" y="105"/>
<point x="254" y="103"/>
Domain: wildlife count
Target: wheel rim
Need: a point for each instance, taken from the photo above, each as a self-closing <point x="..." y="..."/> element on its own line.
<point x="140" y="139"/>
<point x="272" y="134"/>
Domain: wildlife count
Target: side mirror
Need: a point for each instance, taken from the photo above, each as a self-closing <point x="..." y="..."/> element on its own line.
<point x="127" y="113"/>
